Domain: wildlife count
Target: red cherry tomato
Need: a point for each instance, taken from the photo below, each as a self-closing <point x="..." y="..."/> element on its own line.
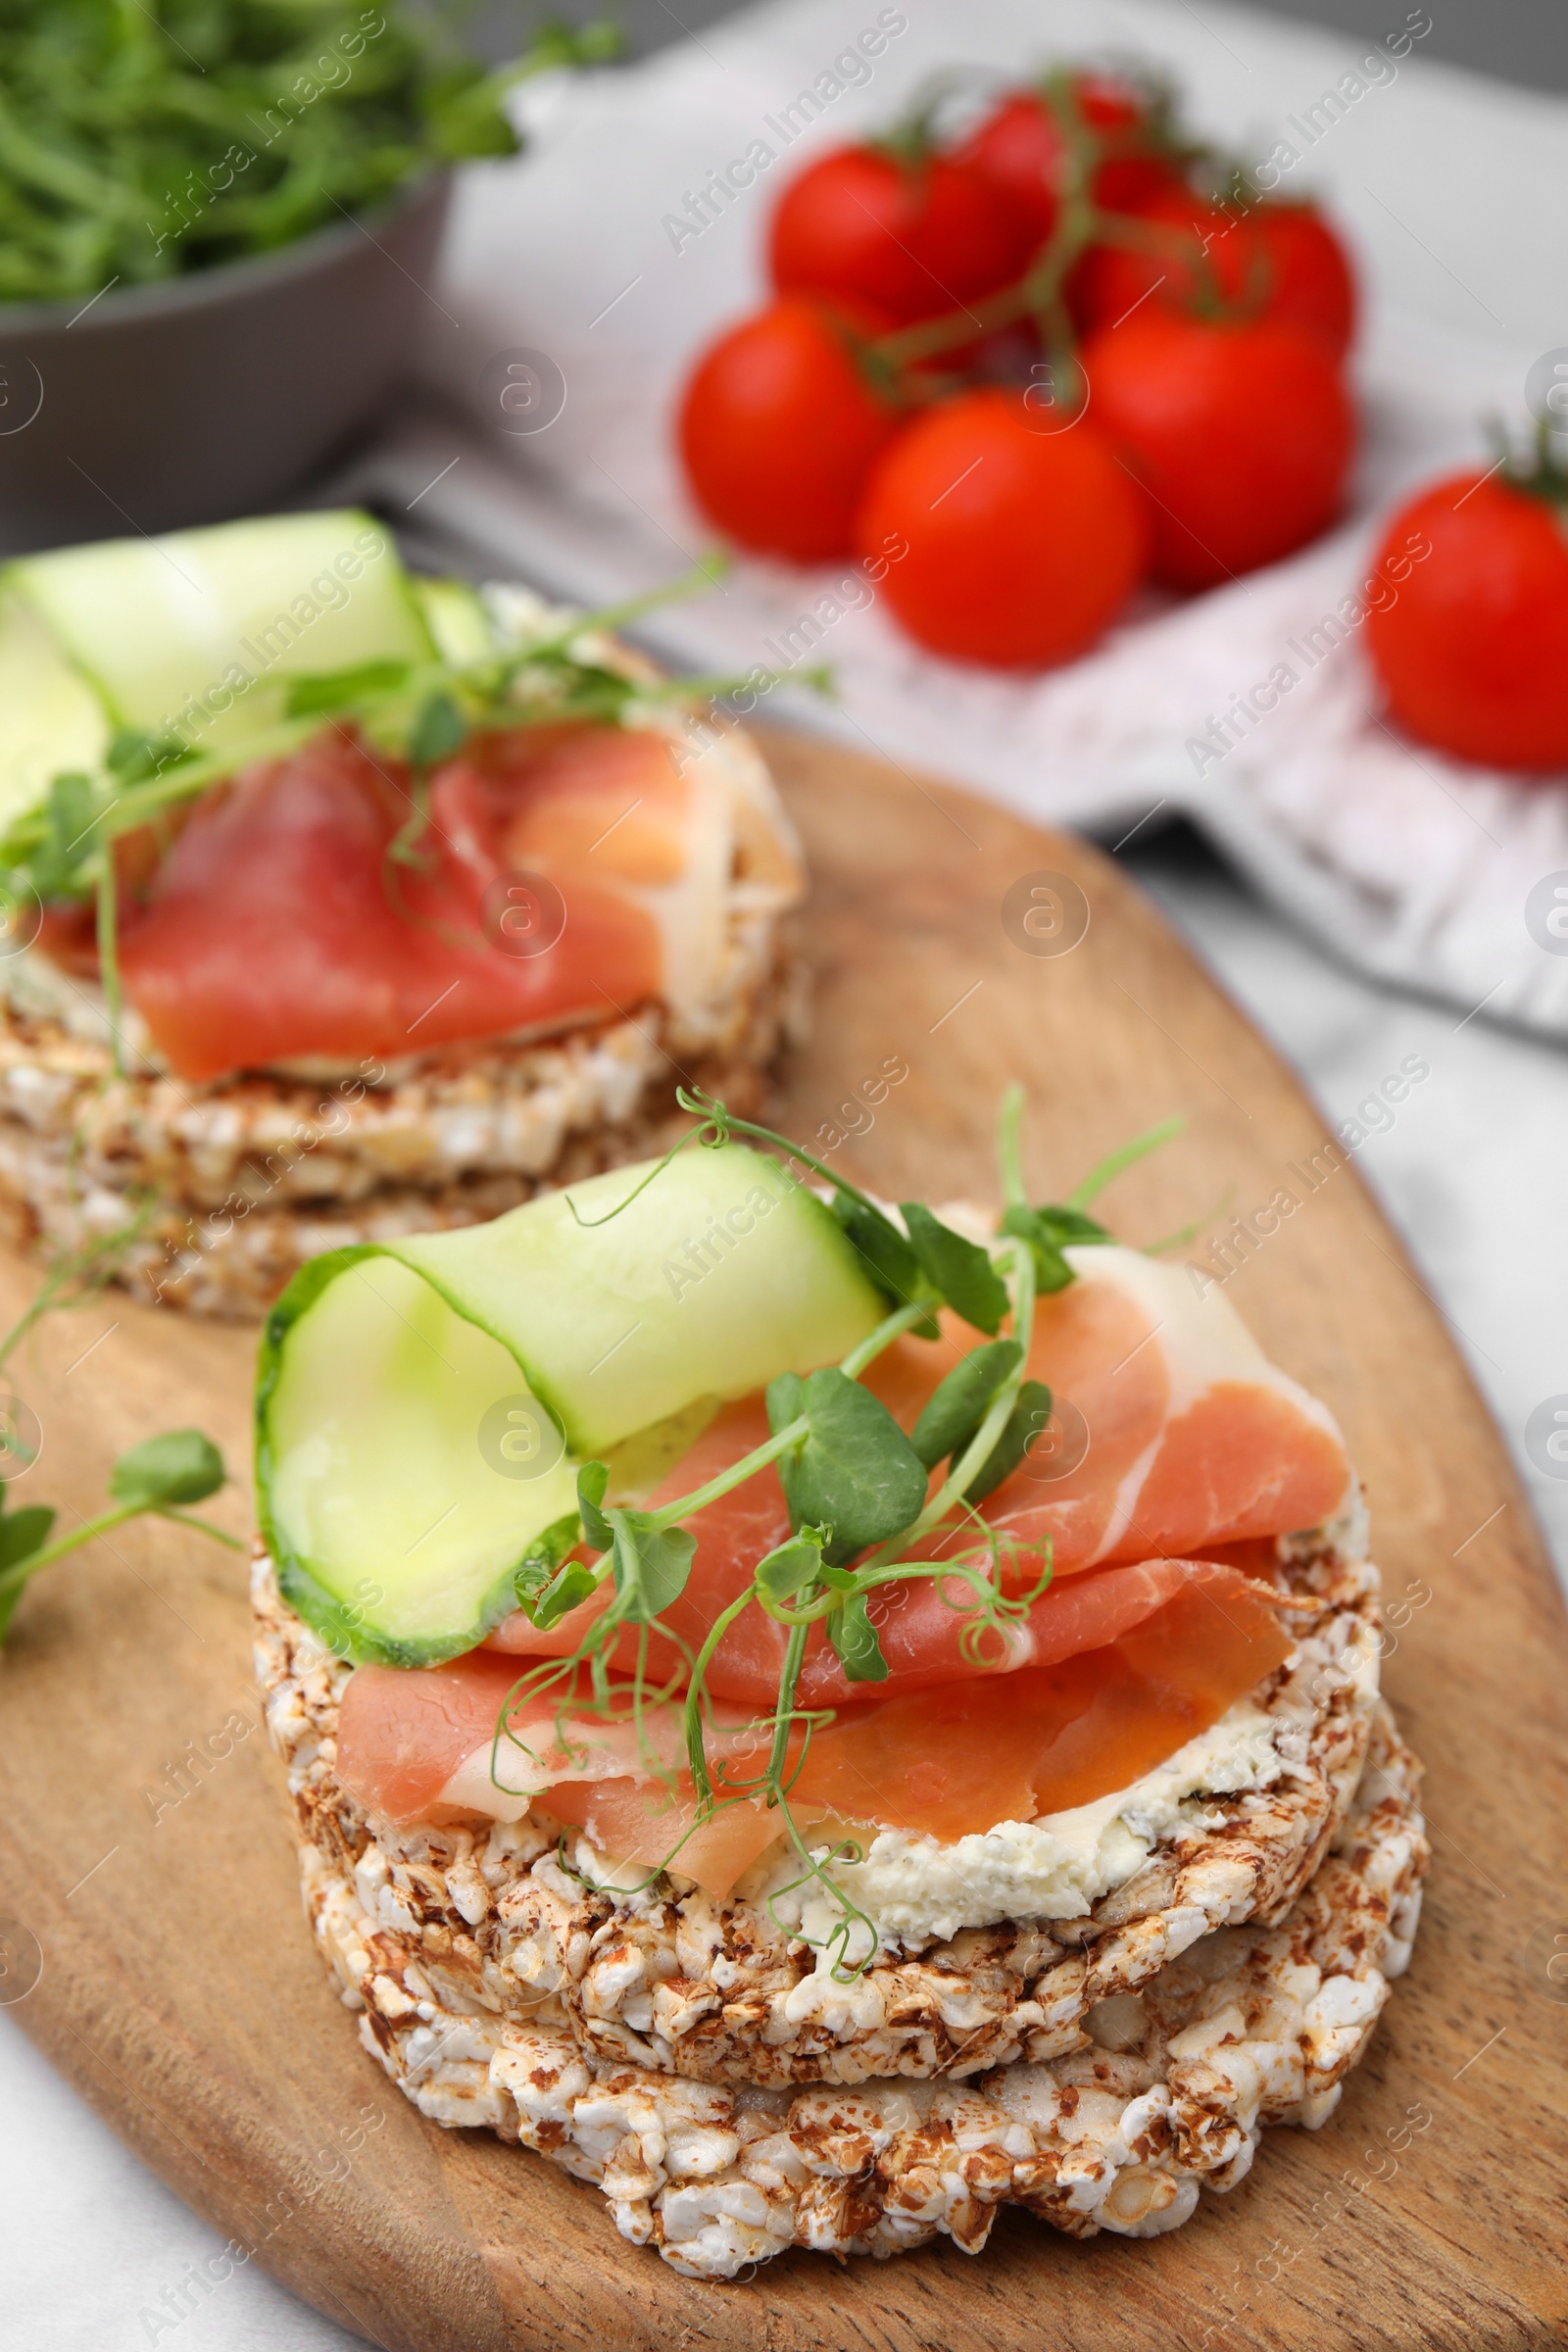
<point x="1474" y="654"/>
<point x="1023" y="544"/>
<point x="1240" y="435"/>
<point x="1019" y="151"/>
<point x="912" y="239"/>
<point x="1113" y="280"/>
<point x="1312" y="284"/>
<point x="1282" y="257"/>
<point x="778" y="430"/>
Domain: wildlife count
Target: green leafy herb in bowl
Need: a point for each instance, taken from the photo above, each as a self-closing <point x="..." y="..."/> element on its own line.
<point x="142" y="142"/>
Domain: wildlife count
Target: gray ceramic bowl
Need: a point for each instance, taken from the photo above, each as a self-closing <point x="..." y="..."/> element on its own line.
<point x="213" y="394"/>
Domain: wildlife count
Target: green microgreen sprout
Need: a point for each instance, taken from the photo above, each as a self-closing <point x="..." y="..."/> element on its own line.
<point x="73" y="1276"/>
<point x="159" y="1477"/>
<point x="863" y="1513"/>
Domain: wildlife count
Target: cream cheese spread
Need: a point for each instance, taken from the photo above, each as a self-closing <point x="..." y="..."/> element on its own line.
<point x="913" y="1889"/>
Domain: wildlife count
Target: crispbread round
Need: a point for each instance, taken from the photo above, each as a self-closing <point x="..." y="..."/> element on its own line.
<point x="235" y="1182"/>
<point x="1166" y="2095"/>
<point x="255" y="1175"/>
<point x="678" y="1984"/>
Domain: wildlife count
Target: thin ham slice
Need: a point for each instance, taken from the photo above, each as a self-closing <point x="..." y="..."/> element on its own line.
<point x="1194" y="1442"/>
<point x="276" y="930"/>
<point x="959" y="1758"/>
<point x="416" y="1745"/>
<point x="926" y="1628"/>
<point x="404" y="1734"/>
<point x="944" y="1761"/>
<point x="643" y="1823"/>
<point x="1194" y="1439"/>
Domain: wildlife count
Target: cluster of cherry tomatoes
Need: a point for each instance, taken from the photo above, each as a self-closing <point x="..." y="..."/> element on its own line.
<point x="1045" y="361"/>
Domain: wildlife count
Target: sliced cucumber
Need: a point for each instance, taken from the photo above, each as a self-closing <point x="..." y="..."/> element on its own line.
<point x="50" y="719"/>
<point x="395" y="1532"/>
<point x="454" y="613"/>
<point x="711" y="1279"/>
<point x="392" y="1377"/>
<point x="199" y="632"/>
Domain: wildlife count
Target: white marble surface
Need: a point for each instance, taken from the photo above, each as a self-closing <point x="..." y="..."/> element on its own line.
<point x="98" y="2253"/>
<point x="1471" y="1173"/>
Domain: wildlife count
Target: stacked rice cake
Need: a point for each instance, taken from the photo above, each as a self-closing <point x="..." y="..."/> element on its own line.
<point x="232" y="1183"/>
<point x="1211" y="1956"/>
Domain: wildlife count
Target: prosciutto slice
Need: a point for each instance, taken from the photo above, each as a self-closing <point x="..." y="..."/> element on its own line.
<point x="945" y="1761"/>
<point x="927" y="1626"/>
<point x="566" y="874"/>
<point x="404" y="1734"/>
<point x="1194" y="1441"/>
<point x="1173" y="1431"/>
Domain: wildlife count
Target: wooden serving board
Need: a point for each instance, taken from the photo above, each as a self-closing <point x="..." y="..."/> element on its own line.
<point x="179" y="1989"/>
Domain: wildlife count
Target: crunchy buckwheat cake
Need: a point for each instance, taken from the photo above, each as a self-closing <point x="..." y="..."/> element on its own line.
<point x="670" y="1980"/>
<point x="1235" y="1985"/>
<point x="346" y="904"/>
<point x="250" y="1176"/>
<point x="1166" y="2095"/>
<point x="716" y="1769"/>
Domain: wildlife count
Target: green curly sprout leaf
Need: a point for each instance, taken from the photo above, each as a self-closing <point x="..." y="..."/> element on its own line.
<point x="957" y="1270"/>
<point x="883" y="1250"/>
<point x="791" y="1566"/>
<point x="1051" y="1270"/>
<point x="855" y="1640"/>
<point x="651" y="1563"/>
<point x="439" y="730"/>
<point x="566" y="1589"/>
<point x="956" y="1410"/>
<point x="180" y="1466"/>
<point x="331" y="690"/>
<point x="1027" y="1421"/>
<point x="593" y="1480"/>
<point x="855" y="1472"/>
<point x="160" y="1475"/>
<point x="133" y="757"/>
<point x="546" y="1587"/>
<point x="68" y="822"/>
<point x="23" y="1534"/>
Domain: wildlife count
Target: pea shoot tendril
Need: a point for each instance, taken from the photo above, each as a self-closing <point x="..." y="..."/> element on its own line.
<point x="158" y="1476"/>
